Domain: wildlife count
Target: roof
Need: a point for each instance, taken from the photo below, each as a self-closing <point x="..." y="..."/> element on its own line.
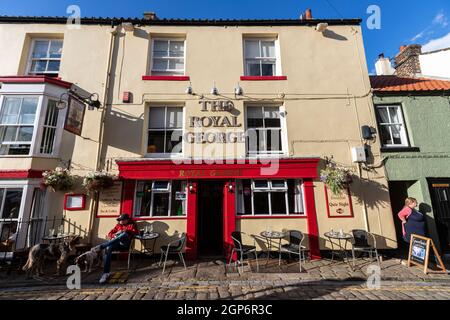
<point x="179" y="22"/>
<point x="36" y="79"/>
<point x="394" y="84"/>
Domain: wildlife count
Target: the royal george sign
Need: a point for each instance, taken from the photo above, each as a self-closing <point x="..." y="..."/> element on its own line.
<point x="228" y="119"/>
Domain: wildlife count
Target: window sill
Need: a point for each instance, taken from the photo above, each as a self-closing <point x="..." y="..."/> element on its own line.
<point x="284" y="216"/>
<point x="165" y="78"/>
<point x="263" y="78"/>
<point x="400" y="149"/>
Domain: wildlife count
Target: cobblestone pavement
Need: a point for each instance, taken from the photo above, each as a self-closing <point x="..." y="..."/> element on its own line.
<point x="321" y="280"/>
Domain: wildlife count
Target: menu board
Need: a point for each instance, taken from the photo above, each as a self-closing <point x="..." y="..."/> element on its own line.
<point x="419" y="253"/>
<point x="340" y="205"/>
<point x="109" y="200"/>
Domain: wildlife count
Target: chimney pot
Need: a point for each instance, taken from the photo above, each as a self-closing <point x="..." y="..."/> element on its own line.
<point x="150" y="16"/>
<point x="381" y="55"/>
<point x="308" y="14"/>
<point x="402" y="48"/>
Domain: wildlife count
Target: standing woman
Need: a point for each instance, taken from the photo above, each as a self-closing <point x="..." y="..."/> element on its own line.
<point x="413" y="221"/>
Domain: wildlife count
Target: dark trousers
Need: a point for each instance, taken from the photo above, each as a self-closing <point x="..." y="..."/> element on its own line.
<point x="121" y="242"/>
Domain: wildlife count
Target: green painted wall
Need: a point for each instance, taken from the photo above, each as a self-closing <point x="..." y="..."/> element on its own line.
<point x="427" y="120"/>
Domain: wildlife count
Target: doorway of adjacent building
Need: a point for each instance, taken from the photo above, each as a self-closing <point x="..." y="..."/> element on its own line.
<point x="440" y="198"/>
<point x="210" y="218"/>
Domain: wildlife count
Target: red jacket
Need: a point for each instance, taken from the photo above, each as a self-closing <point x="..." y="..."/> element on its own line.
<point x="129" y="228"/>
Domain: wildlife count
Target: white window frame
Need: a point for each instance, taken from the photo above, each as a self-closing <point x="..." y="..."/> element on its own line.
<point x="137" y="204"/>
<point x="168" y="72"/>
<point x="270" y="189"/>
<point x="31" y="59"/>
<point x="403" y="134"/>
<point x="183" y="130"/>
<point x="277" y="64"/>
<point x="283" y="128"/>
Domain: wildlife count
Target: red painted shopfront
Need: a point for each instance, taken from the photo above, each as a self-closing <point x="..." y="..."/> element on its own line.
<point x="197" y="172"/>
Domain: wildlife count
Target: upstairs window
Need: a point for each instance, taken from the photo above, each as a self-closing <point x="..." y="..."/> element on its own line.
<point x="45" y="57"/>
<point x="392" y="126"/>
<point x="264" y="130"/>
<point x="165" y="130"/>
<point x="260" y="57"/>
<point x="49" y="128"/>
<point x="17" y="125"/>
<point x="168" y="57"/>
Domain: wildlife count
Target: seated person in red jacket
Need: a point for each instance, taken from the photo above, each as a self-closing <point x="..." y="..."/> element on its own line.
<point x="120" y="239"/>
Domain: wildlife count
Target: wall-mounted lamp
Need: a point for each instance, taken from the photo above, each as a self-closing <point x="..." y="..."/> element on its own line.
<point x="191" y="187"/>
<point x="238" y="90"/>
<point x="61" y="104"/>
<point x="189" y="89"/>
<point x="230" y="186"/>
<point x="214" y="89"/>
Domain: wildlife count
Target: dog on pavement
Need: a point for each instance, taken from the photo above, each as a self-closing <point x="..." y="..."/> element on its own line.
<point x="88" y="258"/>
<point x="39" y="253"/>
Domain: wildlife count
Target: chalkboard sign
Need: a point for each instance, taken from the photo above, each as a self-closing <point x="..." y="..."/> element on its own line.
<point x="419" y="252"/>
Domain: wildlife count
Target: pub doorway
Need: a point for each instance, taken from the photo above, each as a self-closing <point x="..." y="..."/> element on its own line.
<point x="440" y="198"/>
<point x="210" y="218"/>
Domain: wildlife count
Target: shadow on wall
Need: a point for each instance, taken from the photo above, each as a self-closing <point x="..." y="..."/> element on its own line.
<point x="333" y="35"/>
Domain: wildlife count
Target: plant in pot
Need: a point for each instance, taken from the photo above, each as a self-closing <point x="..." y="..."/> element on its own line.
<point x="59" y="179"/>
<point x="97" y="181"/>
<point x="336" y="178"/>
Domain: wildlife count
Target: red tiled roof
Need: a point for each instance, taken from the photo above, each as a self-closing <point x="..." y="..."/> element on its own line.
<point x="404" y="84"/>
<point x="35" y="79"/>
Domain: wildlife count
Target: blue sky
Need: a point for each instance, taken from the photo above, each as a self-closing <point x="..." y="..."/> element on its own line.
<point x="402" y="21"/>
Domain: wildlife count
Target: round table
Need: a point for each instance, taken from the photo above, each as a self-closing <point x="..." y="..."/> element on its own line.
<point x="339" y="238"/>
<point x="143" y="239"/>
<point x="270" y="236"/>
<point x="56" y="238"/>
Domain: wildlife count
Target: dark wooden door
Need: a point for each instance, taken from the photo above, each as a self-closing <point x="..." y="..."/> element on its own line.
<point x="440" y="195"/>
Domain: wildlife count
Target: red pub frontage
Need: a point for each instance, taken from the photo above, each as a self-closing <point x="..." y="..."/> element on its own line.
<point x="223" y="176"/>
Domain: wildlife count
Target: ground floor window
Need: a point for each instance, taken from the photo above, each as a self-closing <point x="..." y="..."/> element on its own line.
<point x="269" y="197"/>
<point x="10" y="201"/>
<point x="160" y="198"/>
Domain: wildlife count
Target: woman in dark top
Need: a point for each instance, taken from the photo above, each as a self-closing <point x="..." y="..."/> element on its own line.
<point x="413" y="221"/>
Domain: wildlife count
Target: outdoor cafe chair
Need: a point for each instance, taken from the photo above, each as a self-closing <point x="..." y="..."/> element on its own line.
<point x="361" y="243"/>
<point x="295" y="246"/>
<point x="242" y="250"/>
<point x="176" y="246"/>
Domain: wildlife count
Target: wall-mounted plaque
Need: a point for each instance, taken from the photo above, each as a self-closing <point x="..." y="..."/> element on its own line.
<point x="73" y="202"/>
<point x="339" y="206"/>
<point x="109" y="201"/>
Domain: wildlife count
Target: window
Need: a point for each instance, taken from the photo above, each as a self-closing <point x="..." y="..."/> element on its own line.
<point x="165" y="130"/>
<point x="45" y="57"/>
<point x="392" y="127"/>
<point x="168" y="57"/>
<point x="269" y="197"/>
<point x="9" y="212"/>
<point x="260" y="57"/>
<point x="49" y="128"/>
<point x="160" y="199"/>
<point x="17" y="125"/>
<point x="264" y="134"/>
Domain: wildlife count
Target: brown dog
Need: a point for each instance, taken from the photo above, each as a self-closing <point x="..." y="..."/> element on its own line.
<point x="41" y="252"/>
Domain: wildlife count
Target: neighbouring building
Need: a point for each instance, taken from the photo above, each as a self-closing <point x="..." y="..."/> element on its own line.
<point x="413" y="122"/>
<point x="210" y="126"/>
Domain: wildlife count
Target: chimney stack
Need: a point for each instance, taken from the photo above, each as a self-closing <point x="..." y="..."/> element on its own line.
<point x="150" y="16"/>
<point x="383" y="66"/>
<point x="307" y="15"/>
<point x="407" y="62"/>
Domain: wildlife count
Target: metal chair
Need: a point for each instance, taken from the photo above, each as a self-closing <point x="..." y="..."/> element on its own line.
<point x="242" y="250"/>
<point x="361" y="243"/>
<point x="294" y="246"/>
<point x="176" y="246"/>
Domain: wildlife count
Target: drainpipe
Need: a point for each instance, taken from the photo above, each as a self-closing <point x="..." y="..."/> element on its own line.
<point x="94" y="202"/>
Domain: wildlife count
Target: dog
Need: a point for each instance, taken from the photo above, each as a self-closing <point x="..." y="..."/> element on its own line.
<point x="88" y="258"/>
<point x="39" y="253"/>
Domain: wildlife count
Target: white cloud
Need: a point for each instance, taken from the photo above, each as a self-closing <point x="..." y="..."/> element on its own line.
<point x="440" y="19"/>
<point x="436" y="44"/>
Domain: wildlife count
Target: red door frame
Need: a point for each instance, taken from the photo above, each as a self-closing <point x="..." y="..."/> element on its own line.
<point x="292" y="168"/>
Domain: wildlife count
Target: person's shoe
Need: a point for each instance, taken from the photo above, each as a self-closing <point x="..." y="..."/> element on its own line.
<point x="104" y="278"/>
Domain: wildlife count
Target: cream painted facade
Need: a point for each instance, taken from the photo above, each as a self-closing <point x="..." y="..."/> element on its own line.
<point x="325" y="100"/>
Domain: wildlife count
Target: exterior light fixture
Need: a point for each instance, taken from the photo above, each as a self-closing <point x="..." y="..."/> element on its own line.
<point x="321" y="27"/>
<point x="238" y="90"/>
<point x="61" y="104"/>
<point x="191" y="187"/>
<point x="230" y="186"/>
<point x="214" y="89"/>
<point x="189" y="89"/>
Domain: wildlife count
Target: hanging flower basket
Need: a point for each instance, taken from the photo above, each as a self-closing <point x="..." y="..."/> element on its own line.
<point x="336" y="178"/>
<point x="97" y="181"/>
<point x="59" y="179"/>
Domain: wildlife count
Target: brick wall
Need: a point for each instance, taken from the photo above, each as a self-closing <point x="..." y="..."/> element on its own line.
<point x="407" y="61"/>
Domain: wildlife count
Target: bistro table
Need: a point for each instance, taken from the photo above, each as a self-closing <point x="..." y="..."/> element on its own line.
<point x="338" y="242"/>
<point x="272" y="236"/>
<point x="56" y="238"/>
<point x="143" y="238"/>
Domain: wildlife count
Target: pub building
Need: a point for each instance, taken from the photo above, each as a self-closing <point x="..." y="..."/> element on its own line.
<point x="210" y="126"/>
